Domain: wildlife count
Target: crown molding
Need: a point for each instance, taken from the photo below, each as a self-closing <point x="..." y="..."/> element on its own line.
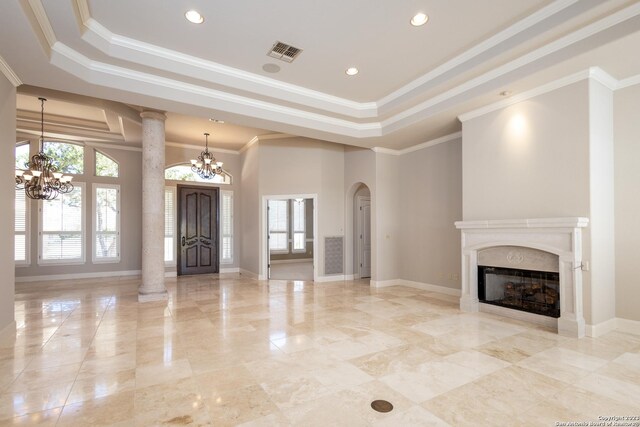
<point x="125" y="79"/>
<point x="594" y="73"/>
<point x="199" y="147"/>
<point x="629" y="81"/>
<point x="480" y="48"/>
<point x="9" y="73"/>
<point x="113" y="146"/>
<point x="266" y="137"/>
<point x="417" y="147"/>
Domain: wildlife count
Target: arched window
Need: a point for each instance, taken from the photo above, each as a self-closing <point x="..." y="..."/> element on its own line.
<point x="68" y="158"/>
<point x="183" y="172"/>
<point x="105" y="165"/>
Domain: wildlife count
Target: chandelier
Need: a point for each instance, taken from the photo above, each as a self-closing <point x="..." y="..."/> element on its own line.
<point x="42" y="181"/>
<point x="206" y="165"/>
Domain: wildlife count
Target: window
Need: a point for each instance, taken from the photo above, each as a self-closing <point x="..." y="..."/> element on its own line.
<point x="106" y="228"/>
<point x="22" y="156"/>
<point x="184" y="173"/>
<point x="298" y="207"/>
<point x="226" y="227"/>
<point x="278" y="226"/>
<point x="22" y="219"/>
<point x="68" y="158"/>
<point x="169" y="225"/>
<point x="62" y="228"/>
<point x="105" y="165"/>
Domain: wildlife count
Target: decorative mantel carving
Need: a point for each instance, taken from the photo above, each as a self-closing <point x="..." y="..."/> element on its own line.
<point x="559" y="236"/>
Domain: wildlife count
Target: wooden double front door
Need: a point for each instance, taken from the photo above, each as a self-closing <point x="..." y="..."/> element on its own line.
<point x="198" y="239"/>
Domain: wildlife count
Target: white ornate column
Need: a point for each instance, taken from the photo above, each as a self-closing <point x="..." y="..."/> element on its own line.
<point x="153" y="139"/>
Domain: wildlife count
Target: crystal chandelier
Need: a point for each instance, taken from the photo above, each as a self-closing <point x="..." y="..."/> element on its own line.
<point x="206" y="165"/>
<point x="42" y="181"/>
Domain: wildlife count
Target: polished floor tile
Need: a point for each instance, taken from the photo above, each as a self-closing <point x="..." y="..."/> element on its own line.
<point x="235" y="351"/>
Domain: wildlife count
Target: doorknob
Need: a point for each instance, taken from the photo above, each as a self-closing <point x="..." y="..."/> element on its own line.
<point x="183" y="241"/>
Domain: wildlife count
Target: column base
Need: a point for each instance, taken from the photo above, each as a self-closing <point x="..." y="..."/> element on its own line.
<point x="469" y="305"/>
<point x="153" y="296"/>
<point x="569" y="327"/>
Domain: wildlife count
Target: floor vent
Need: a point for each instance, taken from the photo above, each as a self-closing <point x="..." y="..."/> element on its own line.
<point x="333" y="255"/>
<point x="284" y="52"/>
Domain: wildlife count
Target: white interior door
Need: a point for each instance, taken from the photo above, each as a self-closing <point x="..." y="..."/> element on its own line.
<point x="365" y="237"/>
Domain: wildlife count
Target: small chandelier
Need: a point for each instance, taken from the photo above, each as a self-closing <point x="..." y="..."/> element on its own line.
<point x="206" y="165"/>
<point x="42" y="181"/>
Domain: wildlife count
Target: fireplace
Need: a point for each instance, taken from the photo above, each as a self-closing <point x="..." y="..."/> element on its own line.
<point x="542" y="244"/>
<point x="536" y="292"/>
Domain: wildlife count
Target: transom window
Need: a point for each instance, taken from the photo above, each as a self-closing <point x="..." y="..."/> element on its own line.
<point x="184" y="173"/>
<point x="22" y="156"/>
<point x="68" y="158"/>
<point x="105" y="165"/>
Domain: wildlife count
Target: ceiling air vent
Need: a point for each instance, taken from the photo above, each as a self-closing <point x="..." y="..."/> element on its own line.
<point x="284" y="52"/>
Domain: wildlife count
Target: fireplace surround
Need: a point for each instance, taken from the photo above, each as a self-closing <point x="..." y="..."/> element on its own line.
<point x="561" y="238"/>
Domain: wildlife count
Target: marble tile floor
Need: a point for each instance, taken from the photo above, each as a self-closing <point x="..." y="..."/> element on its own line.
<point x="233" y="351"/>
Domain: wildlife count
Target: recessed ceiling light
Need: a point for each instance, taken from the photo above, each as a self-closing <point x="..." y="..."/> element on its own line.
<point x="419" y="19"/>
<point x="212" y="120"/>
<point x="505" y="93"/>
<point x="194" y="17"/>
<point x="352" y="71"/>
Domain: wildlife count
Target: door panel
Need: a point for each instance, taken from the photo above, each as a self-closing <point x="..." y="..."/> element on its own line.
<point x="197" y="253"/>
<point x="365" y="240"/>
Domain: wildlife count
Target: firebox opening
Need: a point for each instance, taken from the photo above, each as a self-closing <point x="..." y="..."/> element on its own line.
<point x="526" y="290"/>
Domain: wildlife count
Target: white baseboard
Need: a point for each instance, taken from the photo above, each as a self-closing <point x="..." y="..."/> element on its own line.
<point x="429" y="287"/>
<point x="290" y="261"/>
<point x="102" y="274"/>
<point x="385" y="283"/>
<point x="601" y="328"/>
<point x="325" y="279"/>
<point x="248" y="274"/>
<point x="629" y="326"/>
<point x="229" y="270"/>
<point x="349" y="277"/>
<point x="170" y="274"/>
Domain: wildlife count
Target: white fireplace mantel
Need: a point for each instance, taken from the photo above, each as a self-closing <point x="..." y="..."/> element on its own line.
<point x="560" y="236"/>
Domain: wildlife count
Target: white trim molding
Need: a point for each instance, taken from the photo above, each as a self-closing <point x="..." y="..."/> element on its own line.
<point x="427" y="144"/>
<point x="102" y="274"/>
<point x="9" y="73"/>
<point x="559" y="236"/>
<point x="431" y="288"/>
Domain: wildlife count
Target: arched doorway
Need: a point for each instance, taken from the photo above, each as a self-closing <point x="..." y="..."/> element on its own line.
<point x="362" y="232"/>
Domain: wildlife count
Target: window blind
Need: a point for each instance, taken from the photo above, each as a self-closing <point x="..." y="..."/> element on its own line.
<point x="227" y="227"/>
<point x="278" y="225"/>
<point x="299" y="235"/>
<point x="62" y="235"/>
<point x="169" y="224"/>
<point x="21" y="227"/>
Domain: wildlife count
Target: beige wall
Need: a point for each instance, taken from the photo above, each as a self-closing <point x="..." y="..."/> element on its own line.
<point x="529" y="160"/>
<point x="627" y="201"/>
<point x="130" y="181"/>
<point x="385" y="213"/>
<point x="431" y="201"/>
<point x="249" y="208"/>
<point x="7" y="193"/>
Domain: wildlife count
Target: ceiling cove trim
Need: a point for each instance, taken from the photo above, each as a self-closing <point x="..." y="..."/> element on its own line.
<point x="90" y="70"/>
<point x="629" y="81"/>
<point x="113" y="146"/>
<point x="199" y="147"/>
<point x="427" y="144"/>
<point x="526" y="59"/>
<point x="478" y="49"/>
<point x="267" y="137"/>
<point x="106" y="41"/>
<point x="103" y="39"/>
<point x="590" y="73"/>
<point x="9" y="73"/>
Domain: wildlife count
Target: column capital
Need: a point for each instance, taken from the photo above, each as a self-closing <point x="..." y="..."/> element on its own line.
<point x="154" y="114"/>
